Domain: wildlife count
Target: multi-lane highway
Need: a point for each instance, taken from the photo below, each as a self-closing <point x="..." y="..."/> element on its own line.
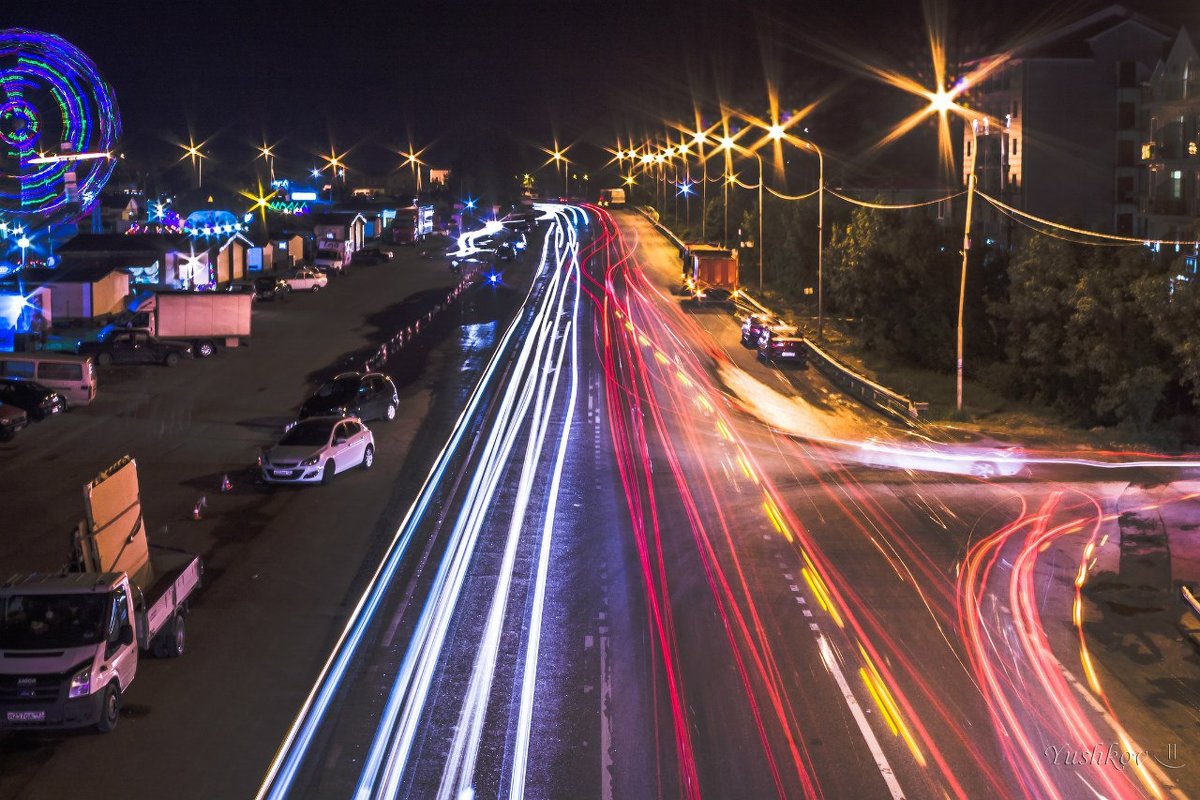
<point x="647" y="565"/>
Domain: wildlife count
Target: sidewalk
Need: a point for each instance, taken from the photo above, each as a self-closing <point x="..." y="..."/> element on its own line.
<point x="1149" y="670"/>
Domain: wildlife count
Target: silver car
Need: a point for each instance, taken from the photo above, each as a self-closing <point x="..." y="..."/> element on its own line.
<point x="316" y="449"/>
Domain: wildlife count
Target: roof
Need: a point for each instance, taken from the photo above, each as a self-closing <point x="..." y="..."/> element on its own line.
<point x="83" y="273"/>
<point x="121" y="243"/>
<point x="117" y="201"/>
<point x="60" y="582"/>
<point x="1074" y="39"/>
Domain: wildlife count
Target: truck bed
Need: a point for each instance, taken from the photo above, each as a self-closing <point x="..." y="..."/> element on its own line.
<point x="177" y="578"/>
<point x="187" y="315"/>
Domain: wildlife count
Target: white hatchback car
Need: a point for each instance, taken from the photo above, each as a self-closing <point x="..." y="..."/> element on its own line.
<point x="984" y="462"/>
<point x="316" y="449"/>
<point x="309" y="280"/>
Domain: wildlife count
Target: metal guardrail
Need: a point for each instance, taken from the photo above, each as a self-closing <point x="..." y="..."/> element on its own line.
<point x="857" y="386"/>
<point x="1190" y="626"/>
<point x="864" y="389"/>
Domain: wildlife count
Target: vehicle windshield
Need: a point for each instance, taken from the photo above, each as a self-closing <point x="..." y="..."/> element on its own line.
<point x="307" y="434"/>
<point x="344" y="387"/>
<point x="52" y="621"/>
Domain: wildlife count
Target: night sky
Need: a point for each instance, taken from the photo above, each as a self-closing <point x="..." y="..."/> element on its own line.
<point x="488" y="83"/>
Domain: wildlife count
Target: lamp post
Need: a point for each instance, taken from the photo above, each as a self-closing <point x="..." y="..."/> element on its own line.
<point x="191" y="150"/>
<point x="727" y="143"/>
<point x="962" y="284"/>
<point x="267" y="153"/>
<point x="777" y="132"/>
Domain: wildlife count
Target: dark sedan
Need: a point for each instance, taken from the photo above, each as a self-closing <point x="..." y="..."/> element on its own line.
<point x="366" y="395"/>
<point x="12" y="419"/>
<point x="34" y="399"/>
<point x="267" y="288"/>
<point x="370" y="255"/>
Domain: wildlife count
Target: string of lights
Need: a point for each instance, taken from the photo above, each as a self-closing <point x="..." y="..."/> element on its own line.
<point x="1082" y="231"/>
<point x="887" y="206"/>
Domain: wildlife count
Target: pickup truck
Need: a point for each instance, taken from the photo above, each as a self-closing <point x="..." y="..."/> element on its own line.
<point x="134" y="347"/>
<point x="70" y="640"/>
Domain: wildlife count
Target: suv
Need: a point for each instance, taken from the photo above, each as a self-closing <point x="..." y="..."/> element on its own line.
<point x="776" y="346"/>
<point x="753" y="328"/>
<point x="366" y="395"/>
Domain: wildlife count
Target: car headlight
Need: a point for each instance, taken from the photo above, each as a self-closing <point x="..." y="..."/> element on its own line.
<point x="81" y="683"/>
<point x="311" y="461"/>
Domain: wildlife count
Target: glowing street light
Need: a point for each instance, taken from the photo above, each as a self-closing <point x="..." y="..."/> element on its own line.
<point x="23" y="243"/>
<point x="412" y="158"/>
<point x="192" y="150"/>
<point x="266" y="152"/>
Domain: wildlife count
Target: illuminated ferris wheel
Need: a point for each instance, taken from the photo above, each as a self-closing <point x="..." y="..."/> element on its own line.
<point x="59" y="126"/>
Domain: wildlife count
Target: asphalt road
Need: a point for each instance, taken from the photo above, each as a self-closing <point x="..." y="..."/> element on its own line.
<point x="826" y="628"/>
<point x="646" y="565"/>
<point x="283" y="566"/>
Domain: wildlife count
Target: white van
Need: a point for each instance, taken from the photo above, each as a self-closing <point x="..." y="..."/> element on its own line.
<point x="74" y="377"/>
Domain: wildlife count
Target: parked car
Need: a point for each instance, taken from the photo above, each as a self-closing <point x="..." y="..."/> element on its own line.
<point x="781" y="348"/>
<point x="370" y="255"/>
<point x="135" y="347"/>
<point x="268" y="288"/>
<point x="242" y="287"/>
<point x="307" y="279"/>
<point x="981" y="461"/>
<point x="12" y="419"/>
<point x="31" y="397"/>
<point x="366" y="395"/>
<point x="753" y="327"/>
<point x="314" y="450"/>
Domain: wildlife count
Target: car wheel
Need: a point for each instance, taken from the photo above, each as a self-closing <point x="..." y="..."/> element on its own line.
<point x="983" y="469"/>
<point x="368" y="457"/>
<point x="205" y="349"/>
<point x="314" y="289"/>
<point x="110" y="709"/>
<point x="390" y="413"/>
<point x="327" y="473"/>
<point x="104" y="359"/>
<point x="172" y="359"/>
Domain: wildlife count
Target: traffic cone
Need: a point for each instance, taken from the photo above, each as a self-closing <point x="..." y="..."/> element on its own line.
<point x="225" y="483"/>
<point x="198" y="509"/>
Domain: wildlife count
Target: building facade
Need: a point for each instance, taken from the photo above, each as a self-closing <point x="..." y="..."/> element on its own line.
<point x="1057" y="128"/>
<point x="1170" y="147"/>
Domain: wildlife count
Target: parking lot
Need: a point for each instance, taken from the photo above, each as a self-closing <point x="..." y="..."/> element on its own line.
<point x="282" y="564"/>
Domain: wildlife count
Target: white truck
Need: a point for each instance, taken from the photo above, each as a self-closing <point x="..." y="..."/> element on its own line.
<point x="204" y="320"/>
<point x="70" y="640"/>
<point x="333" y="255"/>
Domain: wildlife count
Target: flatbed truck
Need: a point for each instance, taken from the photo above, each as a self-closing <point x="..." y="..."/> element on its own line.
<point x="70" y="641"/>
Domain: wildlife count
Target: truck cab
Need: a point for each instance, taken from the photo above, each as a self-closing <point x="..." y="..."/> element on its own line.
<point x="68" y="649"/>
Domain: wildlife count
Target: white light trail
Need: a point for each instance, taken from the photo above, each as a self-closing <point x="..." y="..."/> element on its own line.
<point x="387" y="761"/>
<point x="292" y="751"/>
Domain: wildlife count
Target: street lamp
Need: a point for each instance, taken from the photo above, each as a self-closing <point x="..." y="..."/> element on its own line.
<point x="966" y="250"/>
<point x="727" y="144"/>
<point x="268" y="154"/>
<point x="192" y="150"/>
<point x="413" y="159"/>
<point x="777" y="132"/>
